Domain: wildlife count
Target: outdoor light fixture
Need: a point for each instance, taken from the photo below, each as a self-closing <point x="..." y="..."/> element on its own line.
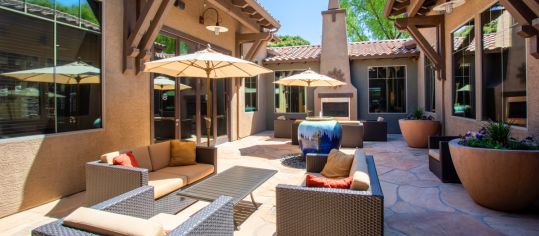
<point x="448" y="7"/>
<point x="217" y="29"/>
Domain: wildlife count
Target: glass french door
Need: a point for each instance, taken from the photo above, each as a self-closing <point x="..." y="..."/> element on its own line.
<point x="180" y="104"/>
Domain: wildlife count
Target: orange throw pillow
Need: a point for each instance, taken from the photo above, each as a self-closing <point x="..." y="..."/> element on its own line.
<point x="125" y="159"/>
<point x="315" y="181"/>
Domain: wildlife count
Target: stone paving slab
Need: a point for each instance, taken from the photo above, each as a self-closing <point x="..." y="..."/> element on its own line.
<point x="416" y="202"/>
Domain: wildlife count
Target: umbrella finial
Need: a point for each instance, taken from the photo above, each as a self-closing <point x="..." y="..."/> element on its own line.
<point x="209" y="46"/>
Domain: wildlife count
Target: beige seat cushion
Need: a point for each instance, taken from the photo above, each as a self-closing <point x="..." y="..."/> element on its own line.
<point x="435" y="153"/>
<point x="182" y="153"/>
<point x="360" y="172"/>
<point x="160" y="155"/>
<point x="338" y="164"/>
<point x="192" y="172"/>
<point x="165" y="183"/>
<point x="168" y="221"/>
<point x="107" y="223"/>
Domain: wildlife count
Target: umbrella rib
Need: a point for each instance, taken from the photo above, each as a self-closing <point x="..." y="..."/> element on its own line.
<point x="242" y="70"/>
<point x="192" y="64"/>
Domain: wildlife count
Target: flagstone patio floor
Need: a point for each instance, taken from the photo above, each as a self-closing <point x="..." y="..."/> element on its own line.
<point x="416" y="202"/>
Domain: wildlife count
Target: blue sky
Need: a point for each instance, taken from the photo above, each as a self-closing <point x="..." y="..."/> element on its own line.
<point x="298" y="17"/>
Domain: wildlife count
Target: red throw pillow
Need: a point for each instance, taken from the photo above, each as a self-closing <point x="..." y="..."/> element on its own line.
<point x="315" y="181"/>
<point x="125" y="159"/>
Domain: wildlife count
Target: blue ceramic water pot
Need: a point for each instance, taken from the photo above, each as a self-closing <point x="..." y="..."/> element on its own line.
<point x="319" y="136"/>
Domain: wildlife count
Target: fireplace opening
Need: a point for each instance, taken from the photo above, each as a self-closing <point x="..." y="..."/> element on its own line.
<point x="336" y="107"/>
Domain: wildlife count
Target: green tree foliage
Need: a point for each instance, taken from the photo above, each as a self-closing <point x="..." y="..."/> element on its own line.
<point x="289" y="40"/>
<point x="86" y="12"/>
<point x="365" y="20"/>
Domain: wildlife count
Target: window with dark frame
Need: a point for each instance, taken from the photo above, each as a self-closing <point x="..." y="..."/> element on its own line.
<point x="289" y="99"/>
<point x="251" y="94"/>
<point x="504" y="68"/>
<point x="55" y="37"/>
<point x="430" y="86"/>
<point x="387" y="89"/>
<point x="463" y="58"/>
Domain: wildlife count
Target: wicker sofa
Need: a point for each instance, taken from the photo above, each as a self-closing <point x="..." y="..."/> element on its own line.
<point x="440" y="162"/>
<point x="104" y="180"/>
<point x="214" y="219"/>
<point x="325" y="211"/>
<point x="375" y="130"/>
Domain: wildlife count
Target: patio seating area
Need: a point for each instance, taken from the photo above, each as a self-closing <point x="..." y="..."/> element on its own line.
<point x="416" y="202"/>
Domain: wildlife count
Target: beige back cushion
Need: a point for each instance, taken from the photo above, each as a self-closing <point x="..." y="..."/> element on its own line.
<point x="360" y="172"/>
<point x="107" y="223"/>
<point x="160" y="155"/>
<point x="143" y="157"/>
<point x="338" y="164"/>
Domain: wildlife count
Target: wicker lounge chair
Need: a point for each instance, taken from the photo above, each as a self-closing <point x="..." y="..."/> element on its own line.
<point x="325" y="211"/>
<point x="214" y="219"/>
<point x="440" y="162"/>
<point x="375" y="130"/>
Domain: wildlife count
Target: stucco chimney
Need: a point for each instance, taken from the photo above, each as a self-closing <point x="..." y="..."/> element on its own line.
<point x="334" y="60"/>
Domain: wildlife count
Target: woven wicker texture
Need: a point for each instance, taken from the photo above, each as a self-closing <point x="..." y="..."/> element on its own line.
<point x="325" y="211"/>
<point x="215" y="219"/>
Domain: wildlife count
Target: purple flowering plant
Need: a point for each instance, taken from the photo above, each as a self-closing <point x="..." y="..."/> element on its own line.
<point x="419" y="114"/>
<point x="497" y="135"/>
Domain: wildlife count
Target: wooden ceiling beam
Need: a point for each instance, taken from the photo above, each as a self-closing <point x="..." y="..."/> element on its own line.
<point x="520" y="11"/>
<point x="242" y="38"/>
<point x="141" y="26"/>
<point x="533" y="5"/>
<point x="425" y="46"/>
<point x="419" y="21"/>
<point x="526" y="31"/>
<point x="240" y="3"/>
<point x="414" y="7"/>
<point x="389" y="8"/>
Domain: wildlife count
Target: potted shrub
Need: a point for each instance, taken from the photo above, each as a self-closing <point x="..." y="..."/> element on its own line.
<point x="499" y="172"/>
<point x="417" y="127"/>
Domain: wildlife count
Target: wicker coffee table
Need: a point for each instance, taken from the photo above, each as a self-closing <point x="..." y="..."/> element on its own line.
<point x="236" y="182"/>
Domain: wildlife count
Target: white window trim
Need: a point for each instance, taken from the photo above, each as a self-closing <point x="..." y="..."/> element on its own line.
<point x="405" y="90"/>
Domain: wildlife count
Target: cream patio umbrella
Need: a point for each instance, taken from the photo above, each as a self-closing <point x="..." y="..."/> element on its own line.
<point x="207" y="64"/>
<point x="164" y="83"/>
<point x="309" y="79"/>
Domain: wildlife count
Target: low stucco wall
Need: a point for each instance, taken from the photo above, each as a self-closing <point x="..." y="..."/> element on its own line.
<point x="360" y="79"/>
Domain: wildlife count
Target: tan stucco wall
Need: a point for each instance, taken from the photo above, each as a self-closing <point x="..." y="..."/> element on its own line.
<point x="40" y="169"/>
<point x="457" y="125"/>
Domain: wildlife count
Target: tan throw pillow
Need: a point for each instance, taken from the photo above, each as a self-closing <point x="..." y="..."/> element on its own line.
<point x="338" y="164"/>
<point x="107" y="223"/>
<point x="182" y="153"/>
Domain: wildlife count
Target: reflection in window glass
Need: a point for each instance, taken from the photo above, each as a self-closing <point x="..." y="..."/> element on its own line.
<point x="46" y="89"/>
<point x="504" y="68"/>
<point x="387" y="89"/>
<point x="251" y="94"/>
<point x="68" y="11"/>
<point x="41" y="8"/>
<point x="289" y="99"/>
<point x="463" y="55"/>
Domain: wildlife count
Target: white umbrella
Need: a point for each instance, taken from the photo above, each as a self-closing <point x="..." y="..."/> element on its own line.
<point x="164" y="83"/>
<point x="207" y="64"/>
<point x="309" y="79"/>
<point x="73" y="73"/>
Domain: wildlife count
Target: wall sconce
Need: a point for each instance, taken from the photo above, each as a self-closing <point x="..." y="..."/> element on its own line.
<point x="217" y="29"/>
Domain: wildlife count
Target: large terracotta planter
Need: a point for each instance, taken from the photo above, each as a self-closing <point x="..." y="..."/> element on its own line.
<point x="416" y="132"/>
<point x="505" y="180"/>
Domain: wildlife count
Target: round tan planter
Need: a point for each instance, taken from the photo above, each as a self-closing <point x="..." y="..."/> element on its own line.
<point x="505" y="180"/>
<point x="416" y="132"/>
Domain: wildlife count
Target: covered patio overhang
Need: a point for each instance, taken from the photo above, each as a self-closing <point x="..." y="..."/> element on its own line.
<point x="143" y="19"/>
<point x="410" y="15"/>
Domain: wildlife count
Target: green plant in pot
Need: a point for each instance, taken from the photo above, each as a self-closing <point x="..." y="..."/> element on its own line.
<point x="497" y="170"/>
<point x="417" y="127"/>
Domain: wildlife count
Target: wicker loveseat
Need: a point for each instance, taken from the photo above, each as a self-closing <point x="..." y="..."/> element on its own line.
<point x="214" y="219"/>
<point x="326" y="211"/>
<point x="104" y="180"/>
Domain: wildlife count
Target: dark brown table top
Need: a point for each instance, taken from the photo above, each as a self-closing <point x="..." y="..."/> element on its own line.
<point x="236" y="182"/>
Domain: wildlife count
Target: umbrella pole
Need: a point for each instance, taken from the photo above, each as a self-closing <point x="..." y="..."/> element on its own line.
<point x="208" y="109"/>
